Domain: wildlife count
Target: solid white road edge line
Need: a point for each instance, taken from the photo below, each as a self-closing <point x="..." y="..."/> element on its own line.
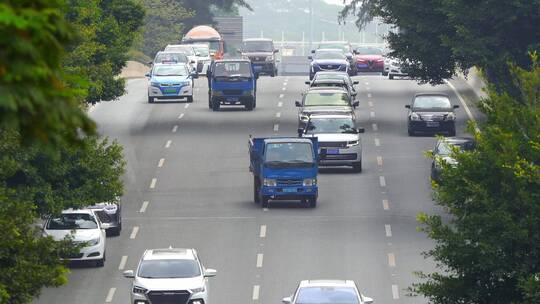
<point x="465" y="106"/>
<point x="134" y="232"/>
<point x="110" y="295"/>
<point x="262" y="233"/>
<point x="123" y="262"/>
<point x="260" y="257"/>
<point x="153" y="183"/>
<point x="161" y="162"/>
<point x="255" y="295"/>
<point x="395" y="292"/>
<point x="144" y="206"/>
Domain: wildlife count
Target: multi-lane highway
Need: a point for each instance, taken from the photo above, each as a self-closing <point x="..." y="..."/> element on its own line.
<point x="187" y="185"/>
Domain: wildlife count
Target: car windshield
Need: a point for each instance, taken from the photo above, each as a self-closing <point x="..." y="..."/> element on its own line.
<point x="327" y="295"/>
<point x="326" y="99"/>
<point x="170" y="70"/>
<point x="329" y="55"/>
<point x="368" y="51"/>
<point x="171" y="57"/>
<point x="258" y="46"/>
<point x="334" y="46"/>
<point x="232" y="69"/>
<point x="289" y="154"/>
<point x="161" y="269"/>
<point x="187" y="49"/>
<point x="431" y="102"/>
<point x="330" y="125"/>
<point x="203" y="51"/>
<point x="446" y="148"/>
<point x="70" y="221"/>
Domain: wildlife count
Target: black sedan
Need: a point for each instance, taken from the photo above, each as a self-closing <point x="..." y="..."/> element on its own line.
<point x="443" y="153"/>
<point x="431" y="113"/>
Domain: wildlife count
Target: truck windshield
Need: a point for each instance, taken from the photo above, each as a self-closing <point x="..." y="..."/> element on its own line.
<point x="292" y="154"/>
<point x="331" y="125"/>
<point x="232" y="69"/>
<point x="258" y="46"/>
<point x="326" y="99"/>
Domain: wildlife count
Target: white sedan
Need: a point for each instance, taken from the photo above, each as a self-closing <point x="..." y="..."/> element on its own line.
<point x="84" y="227"/>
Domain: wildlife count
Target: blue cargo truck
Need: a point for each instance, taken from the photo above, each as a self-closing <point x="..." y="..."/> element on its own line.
<point x="284" y="169"/>
<point x="232" y="82"/>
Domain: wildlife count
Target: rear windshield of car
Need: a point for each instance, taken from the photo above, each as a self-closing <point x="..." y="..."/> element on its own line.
<point x="369" y="51"/>
<point x="431" y="102"/>
<point x="327" y="295"/>
<point x="156" y="269"/>
<point x="187" y="49"/>
<point x="446" y="148"/>
<point x="203" y="51"/>
<point x="170" y="70"/>
<point x="232" y="69"/>
<point x="72" y="221"/>
<point x="171" y="57"/>
<point x="329" y="55"/>
<point x="330" y="125"/>
<point x="326" y="99"/>
<point x="258" y="46"/>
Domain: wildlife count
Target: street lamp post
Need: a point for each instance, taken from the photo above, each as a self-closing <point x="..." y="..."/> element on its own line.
<point x="310" y="25"/>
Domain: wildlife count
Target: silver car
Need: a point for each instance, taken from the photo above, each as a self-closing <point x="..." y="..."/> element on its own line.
<point x="339" y="139"/>
<point x="327" y="291"/>
<point x="173" y="275"/>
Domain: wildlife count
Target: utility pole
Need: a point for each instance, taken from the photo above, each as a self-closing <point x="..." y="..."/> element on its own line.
<point x="310" y="25"/>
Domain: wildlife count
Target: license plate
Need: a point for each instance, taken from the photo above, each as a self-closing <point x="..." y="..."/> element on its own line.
<point x="169" y="90"/>
<point x="232" y="99"/>
<point x="332" y="151"/>
<point x="362" y="65"/>
<point x="289" y="190"/>
<point x="257" y="67"/>
<point x="432" y="124"/>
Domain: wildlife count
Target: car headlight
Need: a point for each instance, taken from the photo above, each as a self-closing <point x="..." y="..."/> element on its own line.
<point x="217" y="93"/>
<point x="154" y="84"/>
<point x="93" y="242"/>
<point x="200" y="289"/>
<point x="304" y="117"/>
<point x="139" y="290"/>
<point x="270" y="58"/>
<point x="414" y="117"/>
<point x="451" y="116"/>
<point x="353" y="143"/>
<point x="186" y="83"/>
<point x="268" y="182"/>
<point x="308" y="182"/>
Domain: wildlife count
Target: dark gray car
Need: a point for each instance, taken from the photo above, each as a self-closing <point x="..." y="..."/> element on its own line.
<point x="262" y="54"/>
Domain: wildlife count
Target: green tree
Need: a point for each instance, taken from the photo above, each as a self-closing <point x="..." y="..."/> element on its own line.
<point x="440" y="36"/>
<point x="106" y="30"/>
<point x="35" y="182"/>
<point x="34" y="97"/>
<point x="202" y="10"/>
<point x="489" y="251"/>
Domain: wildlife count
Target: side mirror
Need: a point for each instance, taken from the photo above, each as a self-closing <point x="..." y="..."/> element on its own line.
<point x="105" y="225"/>
<point x="150" y="62"/>
<point x="209" y="273"/>
<point x="456" y="106"/>
<point x="192" y="62"/>
<point x="147" y="75"/>
<point x="368" y="300"/>
<point x="356" y="104"/>
<point x="298" y="104"/>
<point x="307" y="82"/>
<point x="286" y="300"/>
<point x="310" y="57"/>
<point x="300" y="132"/>
<point x="360" y="130"/>
<point x="129" y="274"/>
<point x="355" y="82"/>
<point x="276" y="51"/>
<point x="407" y="106"/>
<point x="198" y="54"/>
<point x="194" y="75"/>
<point x="354" y="94"/>
<point x="312" y="51"/>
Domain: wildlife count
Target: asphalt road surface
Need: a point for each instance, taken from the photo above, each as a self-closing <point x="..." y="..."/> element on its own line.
<point x="187" y="185"/>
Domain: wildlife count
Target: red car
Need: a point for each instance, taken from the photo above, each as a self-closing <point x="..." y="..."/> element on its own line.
<point x="369" y="59"/>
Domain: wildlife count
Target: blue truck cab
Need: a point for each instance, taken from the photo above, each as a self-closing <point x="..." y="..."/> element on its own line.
<point x="284" y="169"/>
<point x="232" y="82"/>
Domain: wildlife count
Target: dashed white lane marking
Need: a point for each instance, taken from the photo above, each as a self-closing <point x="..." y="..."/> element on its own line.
<point x="385" y="204"/>
<point x="395" y="292"/>
<point x="370" y="104"/>
<point x="123" y="262"/>
<point x="382" y="181"/>
<point x="161" y="162"/>
<point x="284" y="88"/>
<point x="133" y="234"/>
<point x="375" y="127"/>
<point x="262" y="233"/>
<point x="186" y="106"/>
<point x="367" y="83"/>
<point x="278" y="114"/>
<point x="276" y="127"/>
<point x="465" y="106"/>
<point x="285" y="83"/>
<point x="174" y="129"/>
<point x="377" y="142"/>
<point x="281" y="95"/>
<point x="379" y="161"/>
<point x="372" y="114"/>
<point x="260" y="257"/>
<point x="368" y="88"/>
<point x="180" y="116"/>
<point x="110" y="295"/>
<point x="280" y="104"/>
<point x="255" y="295"/>
<point x="388" y="230"/>
<point x="153" y="183"/>
<point x="168" y="143"/>
<point x="391" y="260"/>
<point x="369" y="95"/>
<point x="144" y="206"/>
<point x="265" y="209"/>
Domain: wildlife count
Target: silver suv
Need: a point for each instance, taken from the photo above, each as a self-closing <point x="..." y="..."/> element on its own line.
<point x="339" y="139"/>
<point x="173" y="275"/>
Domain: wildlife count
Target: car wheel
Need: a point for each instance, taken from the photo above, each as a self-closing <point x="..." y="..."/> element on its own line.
<point x="312" y="202"/>
<point x="264" y="201"/>
<point x="256" y="186"/>
<point x="249" y="105"/>
<point x="215" y="105"/>
<point x="410" y="132"/>
<point x="390" y="76"/>
<point x="452" y="132"/>
<point x="357" y="167"/>
<point x="209" y="101"/>
<point x="150" y="99"/>
<point x="190" y="99"/>
<point x="385" y="74"/>
<point x="255" y="101"/>
<point x="101" y="262"/>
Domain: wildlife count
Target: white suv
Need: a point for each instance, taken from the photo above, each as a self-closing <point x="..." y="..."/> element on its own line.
<point x="172" y="275"/>
<point x="84" y="227"/>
